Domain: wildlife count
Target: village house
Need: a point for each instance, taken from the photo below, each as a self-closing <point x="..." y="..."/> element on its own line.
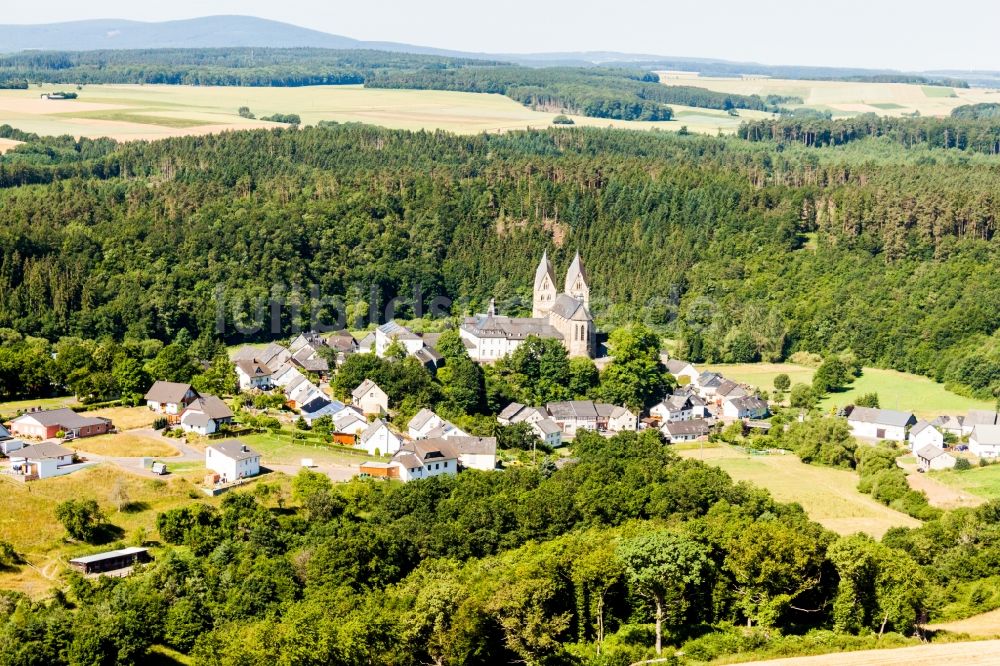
<point x="317" y="408"/>
<point x="422" y="423"/>
<point x="307" y="354"/>
<point x="615" y="418"/>
<point x="728" y="390"/>
<point x="573" y="415"/>
<point x="379" y="440"/>
<point x="558" y="316"/>
<point x="475" y="452"/>
<point x="683" y="372"/>
<point x="548" y="431"/>
<point x="708" y="383"/>
<point x="253" y="374"/>
<point x="924" y="434"/>
<point x="7" y="443"/>
<point x="684" y="431"/>
<point x="446" y="430"/>
<point x="425" y="458"/>
<point x="232" y="460"/>
<point x="414" y="344"/>
<point x="744" y="407"/>
<point x="274" y="356"/>
<point x="515" y="412"/>
<point x="931" y="458"/>
<point x="350" y="421"/>
<point x="47" y="424"/>
<point x="984" y="441"/>
<point x="978" y="417"/>
<point x="206" y="415"/>
<point x="170" y="398"/>
<point x="949" y="424"/>
<point x="369" y="398"/>
<point x="673" y="408"/>
<point x="871" y="423"/>
<point x="43" y="461"/>
<point x="344" y="344"/>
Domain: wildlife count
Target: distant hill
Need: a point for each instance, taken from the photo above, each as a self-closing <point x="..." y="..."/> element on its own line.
<point x="230" y="31"/>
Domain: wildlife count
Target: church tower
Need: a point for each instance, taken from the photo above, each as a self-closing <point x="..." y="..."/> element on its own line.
<point x="577" y="283"/>
<point x="545" y="287"/>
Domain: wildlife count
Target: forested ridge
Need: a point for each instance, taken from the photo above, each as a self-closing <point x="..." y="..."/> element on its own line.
<point x="741" y="252"/>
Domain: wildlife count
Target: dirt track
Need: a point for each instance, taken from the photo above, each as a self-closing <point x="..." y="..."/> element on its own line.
<point x="976" y="653"/>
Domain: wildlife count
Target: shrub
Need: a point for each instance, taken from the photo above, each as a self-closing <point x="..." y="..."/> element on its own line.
<point x="962" y="464"/>
<point x="562" y="120"/>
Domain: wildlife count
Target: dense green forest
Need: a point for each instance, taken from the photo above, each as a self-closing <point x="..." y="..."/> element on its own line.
<point x="741" y="252"/>
<point x="219" y="67"/>
<point x="603" y="93"/>
<point x="982" y="111"/>
<point x="598" y="562"/>
<point x="973" y="130"/>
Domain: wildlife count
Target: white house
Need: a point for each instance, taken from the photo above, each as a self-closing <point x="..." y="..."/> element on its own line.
<point x="683" y="372"/>
<point x="319" y="408"/>
<point x="446" y="430"/>
<point x="744" y="407"/>
<point x="425" y="458"/>
<point x="422" y="423"/>
<point x="684" y="431"/>
<point x="206" y="415"/>
<point x="232" y="460"/>
<point x="978" y="417"/>
<point x="515" y="412"/>
<point x="870" y="423"/>
<point x="924" y="434"/>
<point x="931" y="457"/>
<point x="378" y="439"/>
<point x="370" y="398"/>
<point x="573" y="415"/>
<point x="548" y="431"/>
<point x="43" y="461"/>
<point x="390" y="332"/>
<point x="985" y="441"/>
<point x="170" y="397"/>
<point x="618" y="419"/>
<point x="949" y="424"/>
<point x="252" y="374"/>
<point x="475" y="452"/>
<point x="350" y="421"/>
<point x="672" y="408"/>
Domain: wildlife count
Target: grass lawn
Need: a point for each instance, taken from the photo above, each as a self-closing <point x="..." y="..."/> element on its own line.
<point x="124" y="445"/>
<point x="829" y="496"/>
<point x="938" y="91"/>
<point x="27" y="517"/>
<point x="762" y="375"/>
<point x="900" y="390"/>
<point x="279" y="450"/>
<point x="127" y="418"/>
<point x="10" y="409"/>
<point x="981" y="481"/>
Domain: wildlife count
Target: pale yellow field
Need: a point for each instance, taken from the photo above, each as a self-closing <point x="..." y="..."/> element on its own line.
<point x="131" y="112"/>
<point x="829" y="496"/>
<point x="845" y="97"/>
<point x="124" y="445"/>
<point x="7" y="144"/>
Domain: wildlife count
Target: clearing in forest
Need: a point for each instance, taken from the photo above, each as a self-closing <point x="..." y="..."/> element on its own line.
<point x="829" y="496"/>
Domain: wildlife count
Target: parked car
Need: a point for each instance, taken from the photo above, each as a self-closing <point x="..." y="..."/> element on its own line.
<point x="159" y="468"/>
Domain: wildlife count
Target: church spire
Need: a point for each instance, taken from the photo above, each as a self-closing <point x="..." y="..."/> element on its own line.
<point x="544" y="270"/>
<point x="577" y="282"/>
<point x="545" y="287"/>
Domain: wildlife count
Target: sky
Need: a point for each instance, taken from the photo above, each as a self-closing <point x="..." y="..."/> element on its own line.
<point x="910" y="35"/>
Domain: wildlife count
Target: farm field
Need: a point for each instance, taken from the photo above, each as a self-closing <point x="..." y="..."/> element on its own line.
<point x="829" y="496"/>
<point x="127" y="418"/>
<point x="124" y="445"/>
<point x="969" y="653"/>
<point x="980" y="481"/>
<point x="132" y="112"/>
<point x="896" y="390"/>
<point x="846" y="98"/>
<point x="7" y="144"/>
<point x="27" y="517"/>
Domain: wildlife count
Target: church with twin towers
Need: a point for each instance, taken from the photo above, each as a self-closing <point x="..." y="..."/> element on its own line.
<point x="563" y="315"/>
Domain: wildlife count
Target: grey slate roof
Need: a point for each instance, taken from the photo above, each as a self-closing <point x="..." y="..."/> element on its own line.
<point x="363" y="388"/>
<point x="568" y="307"/>
<point x="572" y="409"/>
<point x="694" y="427"/>
<point x="548" y="426"/>
<point x="929" y="452"/>
<point x="987" y="435"/>
<point x="482" y="446"/>
<point x="235" y="449"/>
<point x="212" y="406"/>
<point x="887" y="417"/>
<point x="253" y="368"/>
<point x="980" y="417"/>
<point x="397" y="331"/>
<point x="42" y="451"/>
<point x="420" y="419"/>
<point x="510" y="410"/>
<point x="675" y="366"/>
<point x="509" y="328"/>
<point x="109" y="555"/>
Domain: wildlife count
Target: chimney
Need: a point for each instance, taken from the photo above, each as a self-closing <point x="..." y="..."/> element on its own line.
<point x="493" y="308"/>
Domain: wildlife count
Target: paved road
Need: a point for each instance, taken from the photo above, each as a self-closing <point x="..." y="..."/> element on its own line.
<point x="975" y="653"/>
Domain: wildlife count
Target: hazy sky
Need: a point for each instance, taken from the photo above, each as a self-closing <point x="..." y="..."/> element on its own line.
<point x="913" y="34"/>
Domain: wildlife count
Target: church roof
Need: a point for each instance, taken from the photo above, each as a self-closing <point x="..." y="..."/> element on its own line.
<point x="568" y="307"/>
<point x="544" y="268"/>
<point x="510" y="328"/>
<point x="576" y="269"/>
